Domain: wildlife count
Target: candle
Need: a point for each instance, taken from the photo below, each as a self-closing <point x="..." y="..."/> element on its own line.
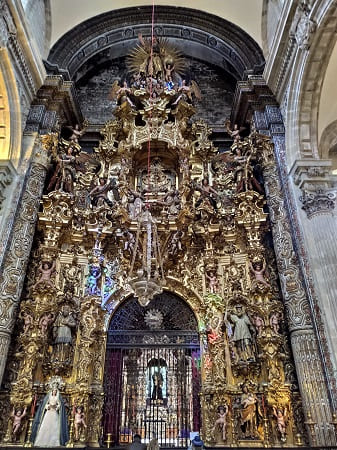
<point x="32" y="411"/>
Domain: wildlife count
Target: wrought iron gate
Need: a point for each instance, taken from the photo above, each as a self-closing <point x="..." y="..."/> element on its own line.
<point x="152" y="385"/>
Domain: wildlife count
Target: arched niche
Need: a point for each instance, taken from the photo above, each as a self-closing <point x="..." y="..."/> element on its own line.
<point x="176" y="313"/>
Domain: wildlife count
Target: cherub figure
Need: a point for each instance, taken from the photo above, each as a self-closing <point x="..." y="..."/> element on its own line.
<point x="281" y="417"/>
<point x="169" y="69"/>
<point x="17" y="416"/>
<point x="258" y="270"/>
<point x="221" y="420"/>
<point x="130" y="241"/>
<point x="79" y="422"/>
<point x="27" y="321"/>
<point x="94" y="275"/>
<point x="121" y="93"/>
<point x="259" y="324"/>
<point x="275" y="322"/>
<point x="213" y="282"/>
<point x="235" y="133"/>
<point x="76" y="133"/>
<point x="44" y="323"/>
<point x="46" y="270"/>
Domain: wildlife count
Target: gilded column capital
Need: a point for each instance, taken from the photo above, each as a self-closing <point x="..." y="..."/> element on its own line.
<point x="318" y="187"/>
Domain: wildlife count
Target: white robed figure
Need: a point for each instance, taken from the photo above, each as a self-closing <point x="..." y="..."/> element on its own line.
<point x="50" y="426"/>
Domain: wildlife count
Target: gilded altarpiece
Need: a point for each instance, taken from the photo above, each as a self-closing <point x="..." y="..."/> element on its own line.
<point x="156" y="208"/>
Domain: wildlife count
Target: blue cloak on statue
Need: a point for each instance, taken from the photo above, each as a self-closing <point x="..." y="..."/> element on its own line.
<point x="50" y="425"/>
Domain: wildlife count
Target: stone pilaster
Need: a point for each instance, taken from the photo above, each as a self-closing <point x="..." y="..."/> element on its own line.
<point x="301" y="312"/>
<point x="16" y="258"/>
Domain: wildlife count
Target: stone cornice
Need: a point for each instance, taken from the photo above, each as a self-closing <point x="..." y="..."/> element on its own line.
<point x="55" y="101"/>
<point x="250" y="95"/>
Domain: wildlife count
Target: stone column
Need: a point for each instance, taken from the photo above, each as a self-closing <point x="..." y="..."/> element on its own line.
<point x="16" y="258"/>
<point x="305" y="344"/>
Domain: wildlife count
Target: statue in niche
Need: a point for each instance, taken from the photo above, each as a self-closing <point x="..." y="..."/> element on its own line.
<point x="234" y="277"/>
<point x="130" y="241"/>
<point x="99" y="194"/>
<point x="50" y="425"/>
<point x="248" y="413"/>
<point x="46" y="271"/>
<point x="206" y="204"/>
<point x="243" y="335"/>
<point x="157" y="385"/>
<point x="62" y="333"/>
<point x="221" y="421"/>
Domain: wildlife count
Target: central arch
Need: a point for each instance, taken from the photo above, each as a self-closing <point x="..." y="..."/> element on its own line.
<point x="152" y="372"/>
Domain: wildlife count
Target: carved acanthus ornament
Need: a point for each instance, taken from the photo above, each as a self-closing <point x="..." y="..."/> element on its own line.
<point x="317" y="185"/>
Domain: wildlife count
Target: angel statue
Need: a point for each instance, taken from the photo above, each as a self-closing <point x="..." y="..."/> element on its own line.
<point x="187" y="92"/>
<point x="235" y="133"/>
<point x="281" y="419"/>
<point x="76" y="133"/>
<point x="121" y="93"/>
<point x="99" y="194"/>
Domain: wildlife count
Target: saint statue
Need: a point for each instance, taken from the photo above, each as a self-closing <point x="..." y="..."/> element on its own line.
<point x="242" y="336"/>
<point x="157" y="390"/>
<point x="50" y="426"/>
<point x="248" y="403"/>
<point x="62" y="333"/>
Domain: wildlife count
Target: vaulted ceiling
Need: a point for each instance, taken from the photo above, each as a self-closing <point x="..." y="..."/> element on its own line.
<point x="245" y="14"/>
